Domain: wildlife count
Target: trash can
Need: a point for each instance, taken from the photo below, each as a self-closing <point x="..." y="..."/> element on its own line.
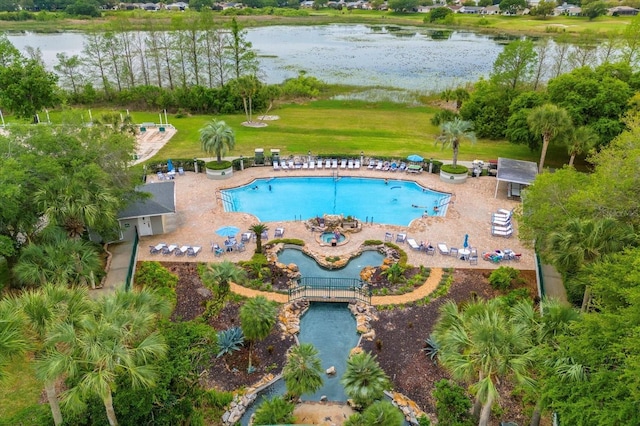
<point x="161" y="129"/>
<point x="143" y="129"/>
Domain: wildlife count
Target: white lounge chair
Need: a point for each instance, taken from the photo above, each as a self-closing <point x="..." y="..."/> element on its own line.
<point x="502" y="228"/>
<point x="443" y="249"/>
<point x="379" y="166"/>
<point x="246" y="237"/>
<point x="327" y="164"/>
<point x="276" y="166"/>
<point x="292" y="165"/>
<point x="412" y="243"/>
<point x="193" y="251"/>
<point x="372" y="164"/>
<point x="350" y="164"/>
<point x="305" y="165"/>
<point x="279" y="233"/>
<point x="501" y="222"/>
<point x="319" y="164"/>
<point x="505" y="234"/>
<point x="157" y="248"/>
<point x="334" y="164"/>
<point x="356" y="164"/>
<point x="169" y="249"/>
<point x="312" y="164"/>
<point x="343" y="164"/>
<point x="181" y="251"/>
<point x="283" y="165"/>
<point x="401" y="238"/>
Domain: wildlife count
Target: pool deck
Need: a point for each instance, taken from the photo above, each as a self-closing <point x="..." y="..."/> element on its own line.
<point x="199" y="214"/>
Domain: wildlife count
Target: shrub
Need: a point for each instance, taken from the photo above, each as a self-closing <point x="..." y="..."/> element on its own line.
<point x="229" y="340"/>
<point x="452" y="404"/>
<point x="503" y="277"/>
<point x="274" y="411"/>
<point x="449" y="168"/>
<point x="155" y="276"/>
<point x="214" y="165"/>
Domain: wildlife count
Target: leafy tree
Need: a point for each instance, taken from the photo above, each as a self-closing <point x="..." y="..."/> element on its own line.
<point x="69" y="71"/>
<point x="364" y="381"/>
<point x="244" y="59"/>
<point x="581" y="141"/>
<point x="258" y="229"/>
<point x="383" y="413"/>
<point x="248" y="86"/>
<point x="550" y="122"/>
<point x="83" y="8"/>
<point x="482" y="344"/>
<point x="45" y="309"/>
<point x="118" y="337"/>
<point x="402" y="5"/>
<point x="452" y="404"/>
<point x="517" y="127"/>
<point x="59" y="261"/>
<point x="217" y="277"/>
<point x="512" y="6"/>
<point x="488" y="108"/>
<point x="515" y="65"/>
<point x="26" y="87"/>
<point x="452" y="133"/>
<point x="303" y="371"/>
<point x="274" y="411"/>
<point x="439" y="13"/>
<point x="544" y="8"/>
<point x="217" y="137"/>
<point x="257" y="316"/>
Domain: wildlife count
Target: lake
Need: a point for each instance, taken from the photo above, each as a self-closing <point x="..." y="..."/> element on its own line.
<point x="413" y="58"/>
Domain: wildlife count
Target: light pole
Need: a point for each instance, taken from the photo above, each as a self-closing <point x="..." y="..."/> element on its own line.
<point x="361" y="158"/>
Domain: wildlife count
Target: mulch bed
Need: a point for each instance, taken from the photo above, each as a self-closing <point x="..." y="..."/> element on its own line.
<point x="400" y="338"/>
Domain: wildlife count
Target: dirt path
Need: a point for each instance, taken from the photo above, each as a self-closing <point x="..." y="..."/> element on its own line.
<point x="424" y="290"/>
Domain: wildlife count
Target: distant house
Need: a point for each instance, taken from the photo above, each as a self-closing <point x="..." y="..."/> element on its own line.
<point x="491" y="10"/>
<point x="150" y="7"/>
<point x="470" y="10"/>
<point x="623" y="11"/>
<point x="150" y="216"/>
<point x="177" y="6"/>
<point x="567" y="9"/>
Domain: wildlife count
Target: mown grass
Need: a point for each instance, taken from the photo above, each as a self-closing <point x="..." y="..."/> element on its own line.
<point x="20" y="390"/>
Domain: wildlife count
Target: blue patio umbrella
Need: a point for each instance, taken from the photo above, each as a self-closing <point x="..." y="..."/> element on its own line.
<point x="466" y="241"/>
<point x="415" y="157"/>
<point x="169" y="165"/>
<point x="227" y="231"/>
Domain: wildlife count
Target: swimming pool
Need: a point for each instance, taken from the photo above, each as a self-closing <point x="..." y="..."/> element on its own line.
<point x="394" y="202"/>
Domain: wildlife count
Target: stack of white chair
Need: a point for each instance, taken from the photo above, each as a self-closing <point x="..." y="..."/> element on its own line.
<point x="501" y="223"/>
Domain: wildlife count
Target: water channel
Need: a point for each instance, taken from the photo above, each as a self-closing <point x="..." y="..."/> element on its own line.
<point x="330" y="327"/>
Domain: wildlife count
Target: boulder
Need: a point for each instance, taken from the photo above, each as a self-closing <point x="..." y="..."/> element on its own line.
<point x="331" y="371"/>
<point x="323" y="398"/>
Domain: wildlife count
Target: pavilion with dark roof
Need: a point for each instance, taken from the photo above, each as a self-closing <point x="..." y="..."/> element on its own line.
<point x="517" y="173"/>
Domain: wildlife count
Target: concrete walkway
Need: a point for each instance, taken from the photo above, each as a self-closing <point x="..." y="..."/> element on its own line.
<point x="117" y="273"/>
<point x="553" y="285"/>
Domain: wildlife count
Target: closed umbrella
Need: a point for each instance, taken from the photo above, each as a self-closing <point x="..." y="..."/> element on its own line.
<point x="227" y="231"/>
<point x="170" y="165"/>
<point x="466" y="241"/>
<point x="415" y="158"/>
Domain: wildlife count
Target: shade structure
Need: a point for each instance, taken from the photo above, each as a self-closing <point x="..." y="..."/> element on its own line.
<point x="169" y="165"/>
<point x="466" y="241"/>
<point x="227" y="231"/>
<point x="415" y="157"/>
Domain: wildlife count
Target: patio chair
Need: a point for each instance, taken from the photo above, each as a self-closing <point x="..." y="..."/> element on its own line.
<point x="305" y="165"/>
<point x="276" y="166"/>
<point x="246" y="237"/>
<point x="388" y="236"/>
<point x="193" y="251"/>
<point x="334" y="164"/>
<point x="343" y="164"/>
<point x="401" y="238"/>
<point x="413" y="244"/>
<point x="453" y="252"/>
<point x="431" y="250"/>
<point x="379" y="165"/>
<point x="319" y="164"/>
<point x="181" y="171"/>
<point x="372" y="164"/>
<point x="279" y="233"/>
<point x="283" y="165"/>
<point x="161" y="176"/>
<point x="327" y="164"/>
<point x="215" y="248"/>
<point x="356" y="164"/>
<point x="350" y="164"/>
<point x="473" y="259"/>
<point x="157" y="248"/>
<point x="241" y="247"/>
<point x="181" y="251"/>
<point x="443" y="249"/>
<point x="292" y="165"/>
<point x="169" y="249"/>
<point x="265" y="235"/>
<point x="312" y="165"/>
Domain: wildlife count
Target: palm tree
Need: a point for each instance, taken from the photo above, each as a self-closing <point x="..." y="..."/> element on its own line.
<point x="118" y="123"/>
<point x="217" y="137"/>
<point x="482" y="344"/>
<point x="382" y="413"/>
<point x="364" y="381"/>
<point x="13" y="342"/>
<point x="452" y="133"/>
<point x="117" y="337"/>
<point x="581" y="141"/>
<point x="274" y="411"/>
<point x="217" y="277"/>
<point x="61" y="261"/>
<point x="257" y="316"/>
<point x="303" y="371"/>
<point x="550" y="121"/>
<point x="258" y="229"/>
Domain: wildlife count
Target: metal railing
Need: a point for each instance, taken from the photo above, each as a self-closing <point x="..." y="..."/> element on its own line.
<point x="320" y="289"/>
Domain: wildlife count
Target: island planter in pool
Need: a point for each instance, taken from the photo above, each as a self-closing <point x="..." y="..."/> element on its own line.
<point x="451" y="174"/>
<point x="219" y="171"/>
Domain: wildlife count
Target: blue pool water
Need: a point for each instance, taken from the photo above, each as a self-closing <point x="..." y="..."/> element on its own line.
<point x="309" y="267"/>
<point x="393" y="202"/>
<point x="326" y="237"/>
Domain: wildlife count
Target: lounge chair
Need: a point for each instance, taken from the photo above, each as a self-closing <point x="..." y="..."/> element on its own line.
<point x="502" y="228"/>
<point x="501" y="222"/>
<point x="279" y="233"/>
<point x="386" y="166"/>
<point x="343" y="164"/>
<point x="193" y="251"/>
<point x="319" y="164"/>
<point x="412" y="243"/>
<point x="402" y="167"/>
<point x="305" y="165"/>
<point x="372" y="164"/>
<point x="327" y="164"/>
<point x="246" y="237"/>
<point x="157" y="248"/>
<point x="312" y="165"/>
<point x="276" y="166"/>
<point x="181" y="171"/>
<point x="443" y="249"/>
<point x="393" y="167"/>
<point x="334" y="164"/>
<point x="401" y="238"/>
<point x="169" y="249"/>
<point x="356" y="164"/>
<point x="505" y="234"/>
<point x="292" y="165"/>
<point x="388" y="236"/>
<point x="160" y="175"/>
<point x="350" y="164"/>
<point x="379" y="165"/>
<point x="283" y="165"/>
<point x="265" y="235"/>
<point x="181" y="251"/>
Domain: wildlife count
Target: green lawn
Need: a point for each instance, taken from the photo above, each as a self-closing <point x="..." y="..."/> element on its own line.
<point x="20" y="390"/>
<point x="341" y="128"/>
